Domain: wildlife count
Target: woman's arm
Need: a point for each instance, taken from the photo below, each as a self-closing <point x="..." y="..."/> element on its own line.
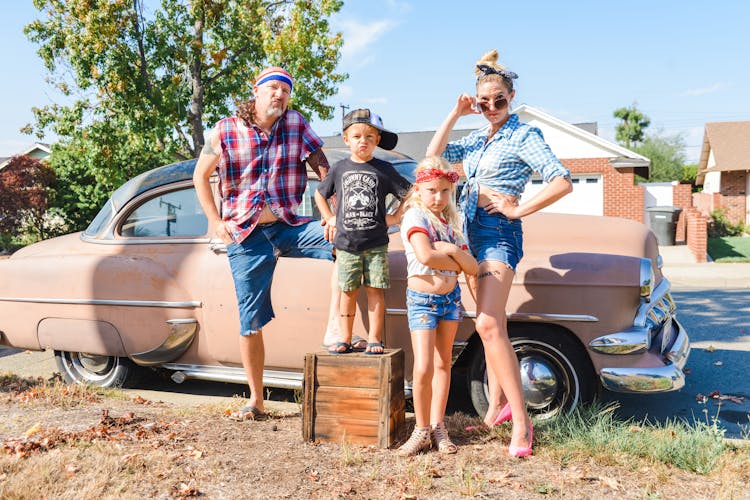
<point x="553" y="191"/>
<point x="464" y="106"/>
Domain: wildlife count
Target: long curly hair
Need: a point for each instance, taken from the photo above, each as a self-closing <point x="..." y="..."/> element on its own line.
<point x="450" y="212"/>
<point x="490" y="59"/>
<point x="246" y="111"/>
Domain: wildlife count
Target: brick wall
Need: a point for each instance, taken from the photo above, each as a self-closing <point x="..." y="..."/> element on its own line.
<point x="696" y="234"/>
<point x="682" y="197"/>
<point x="621" y="197"/>
<point x="734" y="197"/>
<point x="706" y="202"/>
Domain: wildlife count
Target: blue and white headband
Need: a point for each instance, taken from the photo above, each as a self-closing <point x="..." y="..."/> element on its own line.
<point x="275" y="73"/>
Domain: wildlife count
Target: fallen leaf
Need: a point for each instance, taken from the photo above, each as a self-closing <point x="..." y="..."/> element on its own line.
<point x="610" y="482"/>
<point x="33" y="429"/>
<point x="710" y="348"/>
<point x="687" y="371"/>
<point x="71" y="470"/>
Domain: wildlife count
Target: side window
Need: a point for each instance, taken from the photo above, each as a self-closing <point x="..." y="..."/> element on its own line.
<point x="308" y="208"/>
<point x="176" y="214"/>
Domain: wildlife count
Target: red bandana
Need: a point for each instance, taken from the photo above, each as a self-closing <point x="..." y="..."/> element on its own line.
<point x="430" y="174"/>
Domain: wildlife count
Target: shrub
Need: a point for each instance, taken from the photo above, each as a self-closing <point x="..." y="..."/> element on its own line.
<point x="720" y="225"/>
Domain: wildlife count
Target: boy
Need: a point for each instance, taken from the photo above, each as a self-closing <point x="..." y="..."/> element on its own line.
<point x="361" y="183"/>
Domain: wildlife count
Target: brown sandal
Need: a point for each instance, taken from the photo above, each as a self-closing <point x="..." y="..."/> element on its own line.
<point x="419" y="441"/>
<point x="443" y="442"/>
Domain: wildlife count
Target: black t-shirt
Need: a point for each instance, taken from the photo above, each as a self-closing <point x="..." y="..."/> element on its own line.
<point x="361" y="190"/>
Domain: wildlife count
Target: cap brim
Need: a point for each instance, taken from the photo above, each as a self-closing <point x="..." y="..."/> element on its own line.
<point x="388" y="140"/>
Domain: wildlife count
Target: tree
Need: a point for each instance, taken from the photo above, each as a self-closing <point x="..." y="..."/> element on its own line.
<point x="666" y="155"/>
<point x="143" y="84"/>
<point x="631" y="131"/>
<point x="25" y="194"/>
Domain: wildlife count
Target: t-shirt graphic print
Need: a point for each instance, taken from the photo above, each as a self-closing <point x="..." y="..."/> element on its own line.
<point x="359" y="194"/>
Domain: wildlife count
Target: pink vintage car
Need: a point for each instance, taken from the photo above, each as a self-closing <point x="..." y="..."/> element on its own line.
<point x="145" y="285"/>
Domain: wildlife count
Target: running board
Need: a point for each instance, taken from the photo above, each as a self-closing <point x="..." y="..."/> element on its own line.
<point x="232" y="375"/>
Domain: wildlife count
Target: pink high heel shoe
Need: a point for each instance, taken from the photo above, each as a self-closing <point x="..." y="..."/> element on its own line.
<point x="519" y="452"/>
<point x="504" y="415"/>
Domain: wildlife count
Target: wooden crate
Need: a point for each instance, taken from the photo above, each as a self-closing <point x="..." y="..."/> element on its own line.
<point x="356" y="397"/>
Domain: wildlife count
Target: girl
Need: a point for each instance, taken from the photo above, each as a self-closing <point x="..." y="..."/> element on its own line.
<point x="498" y="159"/>
<point x="435" y="254"/>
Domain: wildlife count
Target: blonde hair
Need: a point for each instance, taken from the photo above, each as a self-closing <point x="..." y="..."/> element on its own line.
<point x="450" y="213"/>
<point x="502" y="73"/>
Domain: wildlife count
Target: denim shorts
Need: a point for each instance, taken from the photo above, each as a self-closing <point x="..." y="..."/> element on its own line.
<point x="366" y="267"/>
<point x="253" y="262"/>
<point x="425" y="310"/>
<point x="495" y="237"/>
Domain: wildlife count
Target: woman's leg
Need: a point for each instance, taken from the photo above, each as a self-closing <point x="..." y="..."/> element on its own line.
<point x="494" y="281"/>
<point x="441" y="378"/>
<point x="423" y="345"/>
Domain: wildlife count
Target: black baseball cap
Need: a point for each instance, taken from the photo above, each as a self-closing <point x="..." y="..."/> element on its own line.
<point x="388" y="139"/>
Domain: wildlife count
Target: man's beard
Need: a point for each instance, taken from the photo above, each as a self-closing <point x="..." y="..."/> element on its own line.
<point x="274" y="111"/>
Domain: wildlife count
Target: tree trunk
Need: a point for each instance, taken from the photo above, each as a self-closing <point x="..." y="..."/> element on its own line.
<point x="195" y="115"/>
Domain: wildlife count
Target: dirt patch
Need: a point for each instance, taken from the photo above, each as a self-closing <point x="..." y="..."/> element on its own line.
<point x="86" y="445"/>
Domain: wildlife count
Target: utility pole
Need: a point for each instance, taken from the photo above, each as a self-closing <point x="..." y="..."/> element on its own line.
<point x="344" y="109"/>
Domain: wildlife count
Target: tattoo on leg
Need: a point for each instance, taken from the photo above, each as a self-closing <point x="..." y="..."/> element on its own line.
<point x="346" y="315"/>
<point x="488" y="273"/>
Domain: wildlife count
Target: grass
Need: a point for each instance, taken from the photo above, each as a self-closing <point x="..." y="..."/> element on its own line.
<point x="594" y="431"/>
<point x="729" y="249"/>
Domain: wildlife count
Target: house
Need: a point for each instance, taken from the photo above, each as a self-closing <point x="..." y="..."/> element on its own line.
<point x="37" y="150"/>
<point x="603" y="173"/>
<point x="723" y="170"/>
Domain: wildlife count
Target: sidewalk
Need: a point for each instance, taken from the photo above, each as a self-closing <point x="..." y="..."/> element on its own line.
<point x="681" y="270"/>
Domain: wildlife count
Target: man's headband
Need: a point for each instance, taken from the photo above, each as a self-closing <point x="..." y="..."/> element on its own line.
<point x="489" y="70"/>
<point x="430" y="174"/>
<point x="274" y="73"/>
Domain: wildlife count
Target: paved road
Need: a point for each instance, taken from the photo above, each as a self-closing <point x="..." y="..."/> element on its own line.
<point x="718" y="324"/>
<point x="717" y="321"/>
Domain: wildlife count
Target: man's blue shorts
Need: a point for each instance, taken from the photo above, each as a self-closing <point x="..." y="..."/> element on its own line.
<point x="495" y="237"/>
<point x="254" y="259"/>
<point x="425" y="310"/>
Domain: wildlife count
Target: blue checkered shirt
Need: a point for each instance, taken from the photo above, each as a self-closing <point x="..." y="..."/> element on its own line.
<point x="505" y="163"/>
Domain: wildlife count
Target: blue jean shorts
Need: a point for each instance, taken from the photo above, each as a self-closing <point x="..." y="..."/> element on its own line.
<point x="495" y="237"/>
<point x="253" y="262"/>
<point x="425" y="310"/>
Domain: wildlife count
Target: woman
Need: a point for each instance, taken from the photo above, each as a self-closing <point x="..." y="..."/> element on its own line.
<point x="498" y="160"/>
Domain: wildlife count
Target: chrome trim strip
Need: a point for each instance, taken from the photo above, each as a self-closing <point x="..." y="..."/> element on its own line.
<point x="668" y="377"/>
<point x="549" y="318"/>
<point x="632" y="341"/>
<point x="646" y="278"/>
<point x="233" y="375"/>
<point x="182" y="334"/>
<point x="102" y="302"/>
<point x="146" y="241"/>
<point x="660" y="292"/>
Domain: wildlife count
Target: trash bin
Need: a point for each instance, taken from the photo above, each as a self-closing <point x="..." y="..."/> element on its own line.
<point x="663" y="222"/>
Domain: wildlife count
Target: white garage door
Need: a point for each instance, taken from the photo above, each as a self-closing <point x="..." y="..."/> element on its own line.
<point x="587" y="196"/>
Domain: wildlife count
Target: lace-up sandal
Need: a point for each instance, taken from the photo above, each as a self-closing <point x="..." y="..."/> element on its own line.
<point x="420" y="440"/>
<point x="443" y="442"/>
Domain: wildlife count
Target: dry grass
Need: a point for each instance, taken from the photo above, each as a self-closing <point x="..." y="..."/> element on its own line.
<point x="75" y="442"/>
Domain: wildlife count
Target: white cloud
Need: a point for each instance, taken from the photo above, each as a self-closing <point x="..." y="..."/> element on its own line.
<point x="706" y="90"/>
<point x="358" y="37"/>
<point x="376" y="100"/>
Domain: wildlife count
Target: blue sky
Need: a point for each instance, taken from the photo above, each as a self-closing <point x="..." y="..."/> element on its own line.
<point x="684" y="63"/>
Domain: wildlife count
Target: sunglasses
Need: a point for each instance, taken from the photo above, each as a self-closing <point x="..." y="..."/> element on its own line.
<point x="499" y="102"/>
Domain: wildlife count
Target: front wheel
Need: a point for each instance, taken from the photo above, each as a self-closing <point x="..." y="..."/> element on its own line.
<point x="94" y="369"/>
<point x="556" y="373"/>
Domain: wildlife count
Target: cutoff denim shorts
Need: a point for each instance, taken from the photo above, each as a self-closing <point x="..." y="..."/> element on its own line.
<point x="253" y="262"/>
<point x="425" y="310"/>
<point x="495" y="237"/>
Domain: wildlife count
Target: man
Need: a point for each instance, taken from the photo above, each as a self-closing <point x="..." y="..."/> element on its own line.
<point x="260" y="154"/>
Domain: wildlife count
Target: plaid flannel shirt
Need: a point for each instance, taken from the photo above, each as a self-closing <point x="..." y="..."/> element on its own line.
<point x="256" y="170"/>
<point x="503" y="164"/>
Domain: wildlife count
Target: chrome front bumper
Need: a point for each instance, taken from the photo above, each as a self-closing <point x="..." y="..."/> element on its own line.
<point x="668" y="377"/>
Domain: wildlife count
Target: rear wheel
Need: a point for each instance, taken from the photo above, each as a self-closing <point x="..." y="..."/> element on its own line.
<point x="556" y="373"/>
<point x="94" y="369"/>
